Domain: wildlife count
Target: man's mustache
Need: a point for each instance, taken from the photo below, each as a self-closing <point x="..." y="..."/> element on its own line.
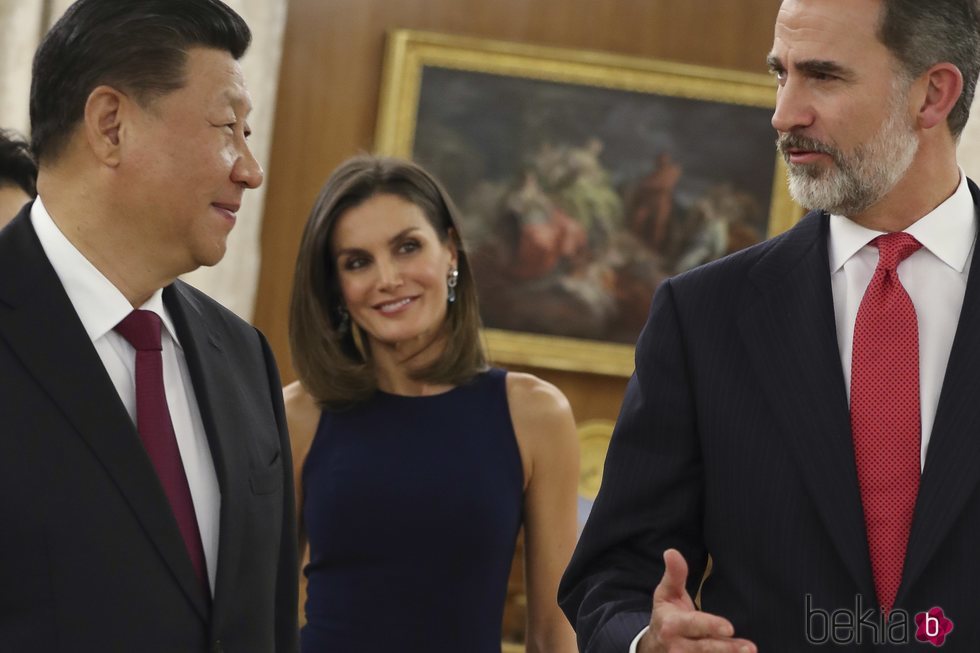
<point x="787" y="142"/>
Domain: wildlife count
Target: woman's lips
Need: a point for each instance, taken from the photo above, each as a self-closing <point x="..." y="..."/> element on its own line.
<point x="395" y="305"/>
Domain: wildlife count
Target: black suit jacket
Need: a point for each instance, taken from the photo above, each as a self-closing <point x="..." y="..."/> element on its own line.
<point x="90" y="555"/>
<point x="734" y="440"/>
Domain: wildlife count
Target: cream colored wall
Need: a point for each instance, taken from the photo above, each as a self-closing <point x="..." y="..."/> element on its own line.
<point x="20" y="29"/>
<point x="234" y="281"/>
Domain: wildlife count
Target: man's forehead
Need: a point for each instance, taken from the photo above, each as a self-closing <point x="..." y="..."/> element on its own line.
<point x="814" y="18"/>
<point x="824" y="29"/>
<point x="239" y="98"/>
<point x="220" y="75"/>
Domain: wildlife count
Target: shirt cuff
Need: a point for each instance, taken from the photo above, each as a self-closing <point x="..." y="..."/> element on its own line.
<point x="636" y="640"/>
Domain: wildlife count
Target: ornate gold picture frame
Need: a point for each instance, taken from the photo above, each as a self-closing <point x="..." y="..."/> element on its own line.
<point x="583" y="180"/>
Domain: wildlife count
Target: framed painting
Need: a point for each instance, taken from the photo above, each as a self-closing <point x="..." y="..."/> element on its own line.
<point x="583" y="180"/>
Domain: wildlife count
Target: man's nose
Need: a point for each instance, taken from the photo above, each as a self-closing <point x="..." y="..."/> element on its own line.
<point x="794" y="109"/>
<point x="247" y="170"/>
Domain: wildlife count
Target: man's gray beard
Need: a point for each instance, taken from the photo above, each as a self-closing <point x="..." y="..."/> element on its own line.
<point x="858" y="180"/>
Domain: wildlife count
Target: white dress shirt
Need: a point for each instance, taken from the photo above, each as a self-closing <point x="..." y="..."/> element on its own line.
<point x="101" y="306"/>
<point x="935" y="278"/>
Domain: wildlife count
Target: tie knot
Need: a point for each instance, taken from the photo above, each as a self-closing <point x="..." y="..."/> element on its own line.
<point x="894" y="248"/>
<point x="141" y="329"/>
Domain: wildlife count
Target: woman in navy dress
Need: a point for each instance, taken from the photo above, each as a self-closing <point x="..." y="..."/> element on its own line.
<point x="416" y="464"/>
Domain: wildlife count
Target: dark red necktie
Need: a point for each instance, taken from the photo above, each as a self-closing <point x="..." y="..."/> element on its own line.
<point x="885" y="413"/>
<point x="142" y="330"/>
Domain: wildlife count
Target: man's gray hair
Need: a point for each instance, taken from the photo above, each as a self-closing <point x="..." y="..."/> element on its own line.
<point x="922" y="33"/>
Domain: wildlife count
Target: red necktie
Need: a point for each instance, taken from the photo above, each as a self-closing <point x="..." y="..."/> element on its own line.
<point x="885" y="420"/>
<point x="142" y="330"/>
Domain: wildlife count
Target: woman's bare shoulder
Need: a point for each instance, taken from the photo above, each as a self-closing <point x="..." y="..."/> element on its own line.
<point x="536" y="397"/>
<point x="540" y="412"/>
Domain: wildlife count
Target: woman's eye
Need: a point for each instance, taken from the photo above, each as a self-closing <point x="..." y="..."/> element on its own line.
<point x="409" y="246"/>
<point x="354" y="263"/>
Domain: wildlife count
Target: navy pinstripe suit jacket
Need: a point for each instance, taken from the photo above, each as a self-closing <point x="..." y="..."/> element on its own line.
<point x="734" y="440"/>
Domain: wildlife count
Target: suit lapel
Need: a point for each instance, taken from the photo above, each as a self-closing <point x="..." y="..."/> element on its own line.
<point x="41" y="327"/>
<point x="950" y="473"/>
<point x="791" y="338"/>
<point x="215" y="387"/>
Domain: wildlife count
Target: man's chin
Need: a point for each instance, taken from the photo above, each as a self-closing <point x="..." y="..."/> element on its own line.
<point x="209" y="256"/>
<point x="808" y="171"/>
<point x="810" y="192"/>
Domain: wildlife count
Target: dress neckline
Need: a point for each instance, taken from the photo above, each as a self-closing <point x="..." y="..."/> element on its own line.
<point x="451" y="391"/>
<point x="384" y="393"/>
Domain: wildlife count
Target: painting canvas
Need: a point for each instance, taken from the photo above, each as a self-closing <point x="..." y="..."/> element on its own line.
<point x="583" y="181"/>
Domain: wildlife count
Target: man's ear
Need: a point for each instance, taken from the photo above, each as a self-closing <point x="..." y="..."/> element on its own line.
<point x="944" y="85"/>
<point x="102" y="123"/>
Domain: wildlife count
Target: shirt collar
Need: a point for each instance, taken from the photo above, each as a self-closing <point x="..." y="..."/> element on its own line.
<point x="948" y="231"/>
<point x="99" y="304"/>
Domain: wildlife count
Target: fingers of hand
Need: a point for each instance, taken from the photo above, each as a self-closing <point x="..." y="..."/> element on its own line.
<point x="677" y="627"/>
<point x="672" y="585"/>
<point x="677" y="624"/>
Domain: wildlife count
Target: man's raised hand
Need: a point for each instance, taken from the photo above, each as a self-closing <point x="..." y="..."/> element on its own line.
<point x="677" y="626"/>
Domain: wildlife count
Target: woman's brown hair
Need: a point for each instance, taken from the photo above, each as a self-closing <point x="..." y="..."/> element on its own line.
<point x="328" y="361"/>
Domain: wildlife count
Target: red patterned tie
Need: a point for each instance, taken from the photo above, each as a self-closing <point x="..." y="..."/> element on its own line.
<point x="142" y="330"/>
<point x="885" y="420"/>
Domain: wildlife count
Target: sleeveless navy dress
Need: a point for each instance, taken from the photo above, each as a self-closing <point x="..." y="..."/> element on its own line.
<point x="412" y="507"/>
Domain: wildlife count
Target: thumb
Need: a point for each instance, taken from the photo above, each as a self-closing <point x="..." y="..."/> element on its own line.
<point x="672" y="586"/>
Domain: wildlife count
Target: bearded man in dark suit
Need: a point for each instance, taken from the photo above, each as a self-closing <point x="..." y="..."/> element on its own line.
<point x="144" y="456"/>
<point x="806" y="412"/>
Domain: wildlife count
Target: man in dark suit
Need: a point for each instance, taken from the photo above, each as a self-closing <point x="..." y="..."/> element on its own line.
<point x="144" y="457"/>
<point x="806" y="412"/>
